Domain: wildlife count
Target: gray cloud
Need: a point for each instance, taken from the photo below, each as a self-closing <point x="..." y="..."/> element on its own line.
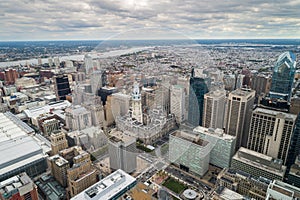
<point x="98" y="19"/>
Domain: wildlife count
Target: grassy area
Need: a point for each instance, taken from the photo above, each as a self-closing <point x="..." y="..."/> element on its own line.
<point x="174" y="185"/>
<point x="143" y="148"/>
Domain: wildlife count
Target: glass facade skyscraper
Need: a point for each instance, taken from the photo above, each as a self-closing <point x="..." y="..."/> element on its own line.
<point x="198" y="88"/>
<point x="283" y="76"/>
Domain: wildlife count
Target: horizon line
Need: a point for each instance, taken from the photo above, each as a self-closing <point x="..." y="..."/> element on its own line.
<point x="152" y="39"/>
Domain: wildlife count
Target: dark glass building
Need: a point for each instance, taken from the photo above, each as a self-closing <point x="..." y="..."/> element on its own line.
<point x="283" y="76"/>
<point x="198" y="88"/>
<point x="62" y="86"/>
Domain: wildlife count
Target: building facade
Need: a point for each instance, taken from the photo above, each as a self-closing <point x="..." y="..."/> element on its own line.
<point x="223" y="145"/>
<point x="19" y="187"/>
<point x="278" y="190"/>
<point x="271" y="132"/>
<point x="78" y="118"/>
<point x="214" y="109"/>
<point x="257" y="164"/>
<point x="122" y="152"/>
<point x="238" y="113"/>
<point x="58" y="141"/>
<point x="177" y="102"/>
<point x="198" y="88"/>
<point x="62" y="86"/>
<point x="243" y="183"/>
<point x="283" y="76"/>
<point x="189" y="152"/>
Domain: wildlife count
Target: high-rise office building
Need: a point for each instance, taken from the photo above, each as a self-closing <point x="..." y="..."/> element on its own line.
<point x="10" y="76"/>
<point x="88" y="63"/>
<point x="270" y="132"/>
<point x="122" y="152"/>
<point x="96" y="81"/>
<point x="62" y="86"/>
<point x="19" y="187"/>
<point x="198" y="88"/>
<point x="223" y="145"/>
<point x="238" y="114"/>
<point x="120" y="104"/>
<point x="177" y="101"/>
<point x="59" y="167"/>
<point x="214" y="109"/>
<point x="283" y="76"/>
<point x="261" y="84"/>
<point x="189" y="152"/>
<point x="258" y="165"/>
<point x="58" y="141"/>
<point x="295" y="105"/>
<point x="78" y="118"/>
<point x="137" y="104"/>
<point x="81" y="175"/>
<point x="239" y="81"/>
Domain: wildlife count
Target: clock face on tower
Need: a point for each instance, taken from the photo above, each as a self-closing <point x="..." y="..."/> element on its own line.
<point x="136" y="92"/>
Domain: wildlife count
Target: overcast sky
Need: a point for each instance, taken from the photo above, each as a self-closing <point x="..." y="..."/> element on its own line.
<point x="101" y="19"/>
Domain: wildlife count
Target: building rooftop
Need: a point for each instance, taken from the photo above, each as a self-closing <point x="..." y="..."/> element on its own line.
<point x="191" y="137"/>
<point x="261" y="161"/>
<point x="107" y="187"/>
<point x="283" y="188"/>
<point x="274" y="112"/>
<point x="37" y="111"/>
<point x="118" y="136"/>
<point x="217" y="133"/>
<point x="20" y="182"/>
<point x="12" y="127"/>
<point x="18" y="149"/>
<point x="227" y="194"/>
<point x="242" y="92"/>
<point x="59" y="161"/>
<point x="216" y="93"/>
<point x="51" y="188"/>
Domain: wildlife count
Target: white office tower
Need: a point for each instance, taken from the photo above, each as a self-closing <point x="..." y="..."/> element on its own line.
<point x="122" y="151"/>
<point x="137" y="103"/>
<point x="56" y="62"/>
<point x="214" y="109"/>
<point x="40" y="62"/>
<point x="271" y="133"/>
<point x="239" y="81"/>
<point x="238" y="114"/>
<point x="88" y="63"/>
<point x="223" y="145"/>
<point x="177" y="98"/>
<point x="96" y="81"/>
<point x="50" y="61"/>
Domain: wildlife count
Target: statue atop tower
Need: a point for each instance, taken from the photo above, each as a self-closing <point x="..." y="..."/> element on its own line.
<point x="137" y="103"/>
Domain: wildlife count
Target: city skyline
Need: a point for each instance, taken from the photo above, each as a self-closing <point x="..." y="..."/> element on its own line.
<point x="94" y="20"/>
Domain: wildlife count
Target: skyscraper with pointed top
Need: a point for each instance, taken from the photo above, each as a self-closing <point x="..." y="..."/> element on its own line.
<point x="283" y="76"/>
